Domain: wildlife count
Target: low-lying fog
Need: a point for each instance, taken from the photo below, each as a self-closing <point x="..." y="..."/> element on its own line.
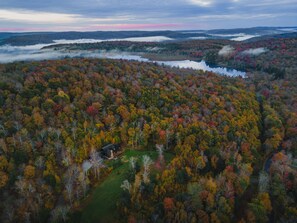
<point x="35" y="52"/>
<point x="236" y="37"/>
<point x="131" y="39"/>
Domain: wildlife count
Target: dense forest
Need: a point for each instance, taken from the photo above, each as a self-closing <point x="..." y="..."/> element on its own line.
<point x="232" y="141"/>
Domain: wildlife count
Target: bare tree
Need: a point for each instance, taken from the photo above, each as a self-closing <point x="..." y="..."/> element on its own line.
<point x="71" y="175"/>
<point x="66" y="158"/>
<point x="64" y="211"/>
<point x="160" y="149"/>
<point x="31" y="189"/>
<point x="58" y="133"/>
<point x="160" y="163"/>
<point x="147" y="162"/>
<point x="86" y="165"/>
<point x="97" y="162"/>
<point x="74" y="129"/>
<point x="69" y="190"/>
<point x="132" y="162"/>
<point x="84" y="182"/>
<point x="60" y="212"/>
<point x="126" y="186"/>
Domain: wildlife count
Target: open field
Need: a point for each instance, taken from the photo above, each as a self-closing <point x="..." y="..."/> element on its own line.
<point x="100" y="205"/>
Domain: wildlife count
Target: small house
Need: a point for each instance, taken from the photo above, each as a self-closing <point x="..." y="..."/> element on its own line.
<point x="109" y="151"/>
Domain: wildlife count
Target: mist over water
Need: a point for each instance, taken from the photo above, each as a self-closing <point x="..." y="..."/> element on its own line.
<point x="35" y="52"/>
<point x="203" y="66"/>
<point x="131" y="39"/>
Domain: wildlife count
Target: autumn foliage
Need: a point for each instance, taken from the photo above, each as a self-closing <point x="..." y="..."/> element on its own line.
<point x="55" y="116"/>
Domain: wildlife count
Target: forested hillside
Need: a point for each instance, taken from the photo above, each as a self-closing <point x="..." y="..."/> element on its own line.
<point x="233" y="142"/>
<point x="275" y="56"/>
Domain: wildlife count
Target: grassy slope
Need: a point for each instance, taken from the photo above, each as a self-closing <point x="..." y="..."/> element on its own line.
<point x="101" y="205"/>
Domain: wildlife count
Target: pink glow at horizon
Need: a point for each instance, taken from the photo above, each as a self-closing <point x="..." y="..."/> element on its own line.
<point x="147" y="26"/>
<point x="137" y="26"/>
<point x="12" y="29"/>
<point x="29" y="29"/>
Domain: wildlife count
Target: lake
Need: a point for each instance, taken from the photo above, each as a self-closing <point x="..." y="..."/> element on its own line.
<point x="35" y="52"/>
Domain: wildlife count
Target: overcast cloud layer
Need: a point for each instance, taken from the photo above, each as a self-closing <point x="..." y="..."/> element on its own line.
<point x="62" y="15"/>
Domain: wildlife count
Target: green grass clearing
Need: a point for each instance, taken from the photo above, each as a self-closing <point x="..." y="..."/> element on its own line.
<point x="101" y="204"/>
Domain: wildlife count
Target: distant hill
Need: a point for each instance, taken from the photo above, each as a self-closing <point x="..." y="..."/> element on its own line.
<point x="22" y="39"/>
<point x="253" y="30"/>
<point x="278" y="36"/>
<point x="46" y="38"/>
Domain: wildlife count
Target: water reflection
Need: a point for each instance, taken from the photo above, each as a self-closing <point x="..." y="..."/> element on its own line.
<point x="34" y="52"/>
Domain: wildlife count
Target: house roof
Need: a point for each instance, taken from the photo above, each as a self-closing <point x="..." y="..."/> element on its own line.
<point x="109" y="146"/>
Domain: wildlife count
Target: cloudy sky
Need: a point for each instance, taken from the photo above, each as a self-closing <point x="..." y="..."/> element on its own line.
<point x="85" y="15"/>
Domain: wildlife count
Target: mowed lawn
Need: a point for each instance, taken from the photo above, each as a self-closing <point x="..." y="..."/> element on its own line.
<point x="100" y="206"/>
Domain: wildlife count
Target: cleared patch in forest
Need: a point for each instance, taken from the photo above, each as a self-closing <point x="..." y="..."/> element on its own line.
<point x="100" y="206"/>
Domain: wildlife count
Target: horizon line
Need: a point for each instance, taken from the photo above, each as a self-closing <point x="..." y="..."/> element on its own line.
<point x="145" y="30"/>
